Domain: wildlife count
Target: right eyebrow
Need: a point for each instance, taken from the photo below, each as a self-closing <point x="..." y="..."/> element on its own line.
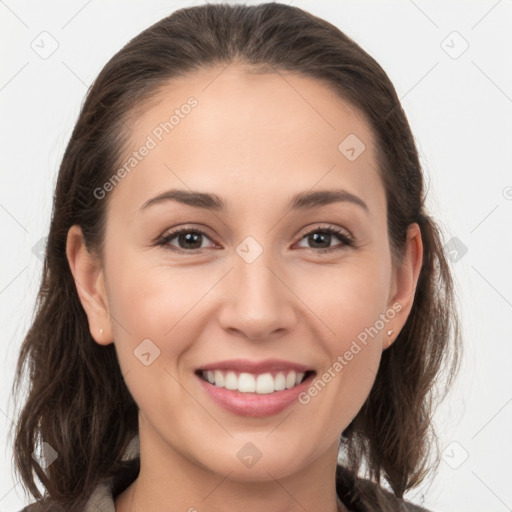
<point x="317" y="198"/>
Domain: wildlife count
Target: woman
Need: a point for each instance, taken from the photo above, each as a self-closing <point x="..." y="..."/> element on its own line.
<point x="244" y="299"/>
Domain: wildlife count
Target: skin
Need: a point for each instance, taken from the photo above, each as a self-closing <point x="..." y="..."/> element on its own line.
<point x="254" y="140"/>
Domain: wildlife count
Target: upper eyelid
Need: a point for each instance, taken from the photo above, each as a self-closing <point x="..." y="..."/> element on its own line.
<point x="325" y="227"/>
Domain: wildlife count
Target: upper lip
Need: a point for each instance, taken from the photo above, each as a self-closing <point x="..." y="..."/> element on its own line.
<point x="257" y="367"/>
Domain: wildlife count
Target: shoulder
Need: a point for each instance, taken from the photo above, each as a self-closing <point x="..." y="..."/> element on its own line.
<point x="362" y="495"/>
<point x="102" y="497"/>
<point x="100" y="500"/>
<point x="41" y="507"/>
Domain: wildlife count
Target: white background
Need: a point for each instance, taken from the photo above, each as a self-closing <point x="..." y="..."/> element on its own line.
<point x="460" y="111"/>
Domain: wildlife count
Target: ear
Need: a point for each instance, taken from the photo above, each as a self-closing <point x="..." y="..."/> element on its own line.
<point x="404" y="282"/>
<point x="89" y="281"/>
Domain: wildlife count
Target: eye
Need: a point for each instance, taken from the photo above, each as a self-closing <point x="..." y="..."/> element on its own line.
<point x="321" y="239"/>
<point x="190" y="240"/>
<point x="187" y="239"/>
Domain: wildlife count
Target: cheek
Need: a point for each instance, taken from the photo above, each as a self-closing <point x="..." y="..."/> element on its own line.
<point x="151" y="296"/>
<point x="347" y="297"/>
<point x="152" y="303"/>
<point x="351" y="303"/>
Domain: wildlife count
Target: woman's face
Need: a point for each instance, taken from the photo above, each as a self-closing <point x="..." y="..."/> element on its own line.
<point x="248" y="290"/>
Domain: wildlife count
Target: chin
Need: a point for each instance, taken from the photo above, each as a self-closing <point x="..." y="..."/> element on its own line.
<point x="253" y="462"/>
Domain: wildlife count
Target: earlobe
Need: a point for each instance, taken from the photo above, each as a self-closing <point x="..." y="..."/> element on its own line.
<point x="405" y="280"/>
<point x="389" y="338"/>
<point x="89" y="281"/>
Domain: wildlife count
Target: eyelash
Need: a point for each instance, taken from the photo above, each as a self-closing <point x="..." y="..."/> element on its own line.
<point x="347" y="240"/>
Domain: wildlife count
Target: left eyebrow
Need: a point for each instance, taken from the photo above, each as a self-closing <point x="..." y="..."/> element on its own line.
<point x="301" y="201"/>
<point x="313" y="199"/>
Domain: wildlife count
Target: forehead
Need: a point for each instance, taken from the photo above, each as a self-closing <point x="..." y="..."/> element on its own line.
<point x="226" y="129"/>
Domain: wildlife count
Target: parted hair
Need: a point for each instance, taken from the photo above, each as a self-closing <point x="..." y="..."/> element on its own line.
<point x="75" y="398"/>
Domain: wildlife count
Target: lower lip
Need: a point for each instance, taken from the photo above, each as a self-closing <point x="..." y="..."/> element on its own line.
<point x="254" y="404"/>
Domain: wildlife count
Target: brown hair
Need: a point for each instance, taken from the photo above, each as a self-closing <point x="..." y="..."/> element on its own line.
<point x="77" y="400"/>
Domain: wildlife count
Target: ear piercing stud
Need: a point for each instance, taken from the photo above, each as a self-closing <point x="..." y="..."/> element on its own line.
<point x="101" y="331"/>
<point x="390" y="332"/>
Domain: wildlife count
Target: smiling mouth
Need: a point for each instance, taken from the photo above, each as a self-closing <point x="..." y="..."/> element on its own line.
<point x="262" y="383"/>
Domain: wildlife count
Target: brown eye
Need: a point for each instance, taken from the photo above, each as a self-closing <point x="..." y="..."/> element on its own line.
<point x="321" y="238"/>
<point x="191" y="240"/>
<point x="187" y="240"/>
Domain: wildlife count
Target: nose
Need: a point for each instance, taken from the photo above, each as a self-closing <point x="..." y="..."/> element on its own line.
<point x="258" y="301"/>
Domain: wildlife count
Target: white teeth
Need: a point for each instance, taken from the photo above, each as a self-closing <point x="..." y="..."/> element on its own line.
<point x="262" y="384"/>
<point x="290" y="380"/>
<point x="231" y="381"/>
<point x="265" y="384"/>
<point x="280" y="382"/>
<point x="219" y="379"/>
<point x="246" y="383"/>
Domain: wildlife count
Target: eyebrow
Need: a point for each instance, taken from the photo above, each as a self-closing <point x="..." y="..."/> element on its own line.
<point x="301" y="201"/>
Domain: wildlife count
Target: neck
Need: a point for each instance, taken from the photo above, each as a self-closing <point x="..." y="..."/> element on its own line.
<point x="168" y="477"/>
